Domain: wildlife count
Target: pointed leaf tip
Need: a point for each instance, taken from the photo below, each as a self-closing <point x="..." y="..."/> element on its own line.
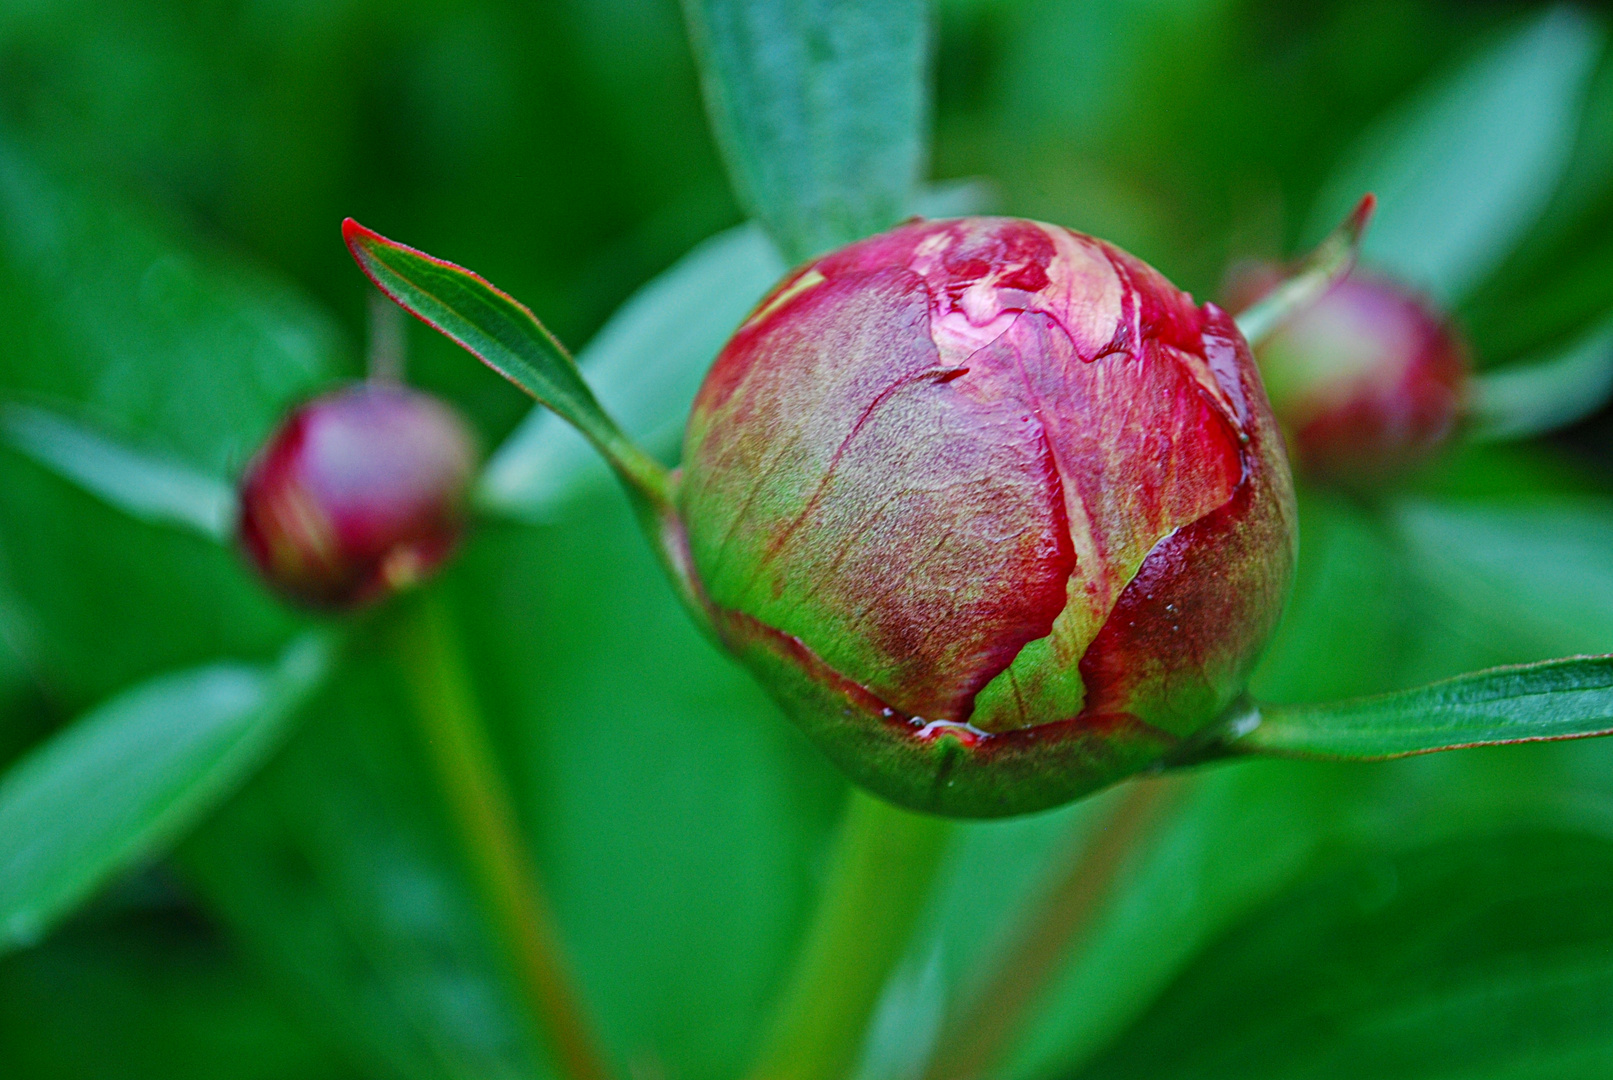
<point x="1356" y="224"/>
<point x="367" y="247"/>
<point x="1330" y="262"/>
<point x="503" y="333"/>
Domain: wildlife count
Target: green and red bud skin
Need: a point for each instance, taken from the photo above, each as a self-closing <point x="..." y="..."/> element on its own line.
<point x="358" y="494"/>
<point x="1369" y="383"/>
<point x="998" y="514"/>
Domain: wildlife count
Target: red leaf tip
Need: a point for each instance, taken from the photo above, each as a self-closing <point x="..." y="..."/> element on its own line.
<point x="1362" y="214"/>
<point x="354" y="233"/>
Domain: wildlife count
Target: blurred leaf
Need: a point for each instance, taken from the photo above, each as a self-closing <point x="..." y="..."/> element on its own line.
<point x="645" y="365"/>
<point x="155" y="490"/>
<point x="1534" y="396"/>
<point x="958" y="198"/>
<point x="104" y="599"/>
<point x="1513" y="579"/>
<point x="1553" y="699"/>
<point x="1350" y="587"/>
<point x="1465" y="167"/>
<point x="183" y="352"/>
<point x="1245" y="832"/>
<point x="132" y="775"/>
<point x="1556" y="283"/>
<point x="14" y="673"/>
<point x="820" y="108"/>
<point x="680" y="820"/>
<point x="176" y="351"/>
<point x="337" y="872"/>
<point x="151" y="993"/>
<point x="1482" y="958"/>
<point x="677" y="820"/>
<point x="1476" y="570"/>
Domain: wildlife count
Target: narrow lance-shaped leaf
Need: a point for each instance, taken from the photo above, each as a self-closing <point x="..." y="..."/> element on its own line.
<point x="155" y="489"/>
<point x="1332" y="259"/>
<point x="1468" y="165"/>
<point x="820" y="108"/>
<point x="1555" y="699"/>
<point x="136" y="773"/>
<point x="1533" y="397"/>
<point x="501" y="332"/>
<point x="1476" y="958"/>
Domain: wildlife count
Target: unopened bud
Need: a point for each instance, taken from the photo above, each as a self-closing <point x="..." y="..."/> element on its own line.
<point x="1369" y="382"/>
<point x="997" y="513"/>
<point x="358" y="494"/>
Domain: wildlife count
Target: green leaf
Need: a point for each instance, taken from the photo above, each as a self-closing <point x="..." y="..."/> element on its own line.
<point x="337" y="873"/>
<point x="176" y="351"/>
<point x="151" y="488"/>
<point x="1474" y="959"/>
<point x="1465" y="167"/>
<point x="682" y="823"/>
<point x="151" y="992"/>
<point x="175" y="348"/>
<point x="134" y="774"/>
<point x="1508" y="580"/>
<point x="1541" y="394"/>
<point x="1554" y="699"/>
<point x="820" y="108"/>
<point x="678" y="821"/>
<point x="499" y="331"/>
<point x="645" y="363"/>
<point x="1245" y="832"/>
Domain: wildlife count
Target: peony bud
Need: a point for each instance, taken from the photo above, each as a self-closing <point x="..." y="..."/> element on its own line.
<point x="998" y="514"/>
<point x="358" y="494"/>
<point x="1368" y="382"/>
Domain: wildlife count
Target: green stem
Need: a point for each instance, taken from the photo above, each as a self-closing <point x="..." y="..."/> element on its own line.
<point x="484" y="817"/>
<point x="885" y="862"/>
<point x="973" y="1038"/>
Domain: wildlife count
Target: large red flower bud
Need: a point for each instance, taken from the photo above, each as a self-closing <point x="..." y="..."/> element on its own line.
<point x="359" y="493"/>
<point x="1368" y="382"/>
<point x="996" y="511"/>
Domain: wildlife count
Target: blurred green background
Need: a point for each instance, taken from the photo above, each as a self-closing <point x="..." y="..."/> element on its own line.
<point x="172" y="178"/>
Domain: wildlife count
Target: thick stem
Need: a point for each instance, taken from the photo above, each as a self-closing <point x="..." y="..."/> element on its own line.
<point x="885" y="862"/>
<point x="484" y="817"/>
<point x="973" y="1038"/>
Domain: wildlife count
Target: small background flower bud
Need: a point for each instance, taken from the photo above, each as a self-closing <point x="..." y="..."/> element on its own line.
<point x="1368" y="383"/>
<point x="997" y="511"/>
<point x="359" y="493"/>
